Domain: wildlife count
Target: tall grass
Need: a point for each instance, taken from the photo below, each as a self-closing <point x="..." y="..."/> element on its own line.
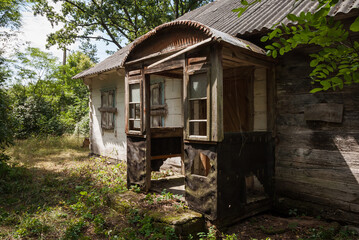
<point x="40" y="147"/>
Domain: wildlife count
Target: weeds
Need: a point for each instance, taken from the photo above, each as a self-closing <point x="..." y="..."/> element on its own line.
<point x="51" y="189"/>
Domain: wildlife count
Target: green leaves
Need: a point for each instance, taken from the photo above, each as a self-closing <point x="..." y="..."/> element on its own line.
<point x="354" y="27"/>
<point x="246" y="5"/>
<point x="337" y="63"/>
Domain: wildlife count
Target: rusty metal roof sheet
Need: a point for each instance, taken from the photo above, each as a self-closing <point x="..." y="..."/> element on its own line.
<point x="258" y="17"/>
<point x="217" y="19"/>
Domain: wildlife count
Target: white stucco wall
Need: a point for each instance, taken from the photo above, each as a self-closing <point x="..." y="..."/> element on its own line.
<point x="260" y="99"/>
<point x="108" y="143"/>
<point x="173" y="98"/>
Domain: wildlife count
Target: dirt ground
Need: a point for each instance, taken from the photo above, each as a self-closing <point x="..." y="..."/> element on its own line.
<point x="269" y="226"/>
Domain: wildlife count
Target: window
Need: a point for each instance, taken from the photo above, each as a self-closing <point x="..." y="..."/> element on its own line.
<point x="134" y="119"/>
<point x="108" y="109"/>
<point x="158" y="108"/>
<point x="198" y="104"/>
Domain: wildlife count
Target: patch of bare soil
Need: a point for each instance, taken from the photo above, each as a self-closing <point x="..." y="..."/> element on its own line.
<point x="267" y="226"/>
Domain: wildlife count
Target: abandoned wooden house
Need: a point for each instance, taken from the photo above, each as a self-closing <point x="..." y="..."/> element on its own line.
<point x="199" y="89"/>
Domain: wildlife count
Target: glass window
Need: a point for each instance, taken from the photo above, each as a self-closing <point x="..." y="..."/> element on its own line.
<point x="135" y="107"/>
<point x="198" y="104"/>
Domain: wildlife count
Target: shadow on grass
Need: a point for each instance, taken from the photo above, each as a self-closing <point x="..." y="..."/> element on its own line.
<point x="26" y="189"/>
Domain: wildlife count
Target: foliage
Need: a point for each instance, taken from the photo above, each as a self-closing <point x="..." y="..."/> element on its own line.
<point x="211" y="235"/>
<point x="10" y="13"/>
<point x="336" y="63"/>
<point x="45" y="99"/>
<point x="109" y="20"/>
<point x="5" y="118"/>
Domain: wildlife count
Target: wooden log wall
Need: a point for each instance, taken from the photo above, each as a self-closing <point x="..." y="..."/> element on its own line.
<point x="317" y="162"/>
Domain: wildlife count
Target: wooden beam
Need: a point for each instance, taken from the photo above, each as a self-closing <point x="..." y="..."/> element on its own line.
<point x="216" y="83"/>
<point x="165" y="156"/>
<point x="147" y="93"/>
<point x="181" y="52"/>
<point x="241" y="55"/>
<point x="166" y="66"/>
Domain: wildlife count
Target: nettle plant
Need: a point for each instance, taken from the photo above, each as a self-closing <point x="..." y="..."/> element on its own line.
<point x="336" y="63"/>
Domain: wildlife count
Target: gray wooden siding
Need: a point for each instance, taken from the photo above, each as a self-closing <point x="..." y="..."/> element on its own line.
<point x="316" y="162"/>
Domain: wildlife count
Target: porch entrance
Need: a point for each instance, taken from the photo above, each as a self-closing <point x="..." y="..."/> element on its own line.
<point x="166" y="117"/>
<point x="205" y="98"/>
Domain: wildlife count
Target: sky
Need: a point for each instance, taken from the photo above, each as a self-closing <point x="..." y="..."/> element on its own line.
<point x="35" y="29"/>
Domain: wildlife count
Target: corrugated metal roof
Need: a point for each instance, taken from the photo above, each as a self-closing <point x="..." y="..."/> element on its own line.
<point x="219" y="18"/>
<point x="258" y="17"/>
<point x="118" y="59"/>
<point x="112" y="62"/>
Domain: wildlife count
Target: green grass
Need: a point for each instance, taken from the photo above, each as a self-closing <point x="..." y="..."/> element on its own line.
<point x="51" y="189"/>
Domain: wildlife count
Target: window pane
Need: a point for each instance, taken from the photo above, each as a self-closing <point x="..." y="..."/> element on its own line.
<point x="135" y="92"/>
<point x="110" y="120"/>
<point x="104" y="99"/>
<point x="198" y="85"/>
<point x="135" y="110"/>
<point x="104" y="119"/>
<point x="134" y="125"/>
<point x="198" y="109"/>
<point x="198" y="128"/>
<point x="110" y="99"/>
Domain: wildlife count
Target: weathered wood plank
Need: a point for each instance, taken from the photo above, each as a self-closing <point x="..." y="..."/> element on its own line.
<point x="316" y="157"/>
<point x="315" y="187"/>
<point x="216" y="92"/>
<point x="165" y="66"/>
<point x="321" y="140"/>
<point x="339" y="174"/>
<point x="327" y="112"/>
<point x="147" y="128"/>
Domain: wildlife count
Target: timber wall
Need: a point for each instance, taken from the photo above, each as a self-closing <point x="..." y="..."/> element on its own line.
<point x="108" y="143"/>
<point x="317" y="163"/>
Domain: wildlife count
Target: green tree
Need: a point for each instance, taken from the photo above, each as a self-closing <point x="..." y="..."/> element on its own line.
<point x="10" y="17"/>
<point x="112" y="21"/>
<point x="10" y="13"/>
<point x="45" y="99"/>
<point x="5" y="119"/>
<point x="74" y="93"/>
<point x="336" y="63"/>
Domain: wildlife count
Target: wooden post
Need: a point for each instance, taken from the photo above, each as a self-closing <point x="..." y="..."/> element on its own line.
<point x="147" y="109"/>
<point x="217" y="134"/>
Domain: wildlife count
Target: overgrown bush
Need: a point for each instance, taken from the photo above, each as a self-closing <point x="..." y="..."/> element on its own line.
<point x="36" y="116"/>
<point x="5" y="117"/>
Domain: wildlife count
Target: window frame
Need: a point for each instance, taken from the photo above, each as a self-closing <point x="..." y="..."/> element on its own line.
<point x="132" y="80"/>
<point x="108" y="110"/>
<point x="188" y="134"/>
